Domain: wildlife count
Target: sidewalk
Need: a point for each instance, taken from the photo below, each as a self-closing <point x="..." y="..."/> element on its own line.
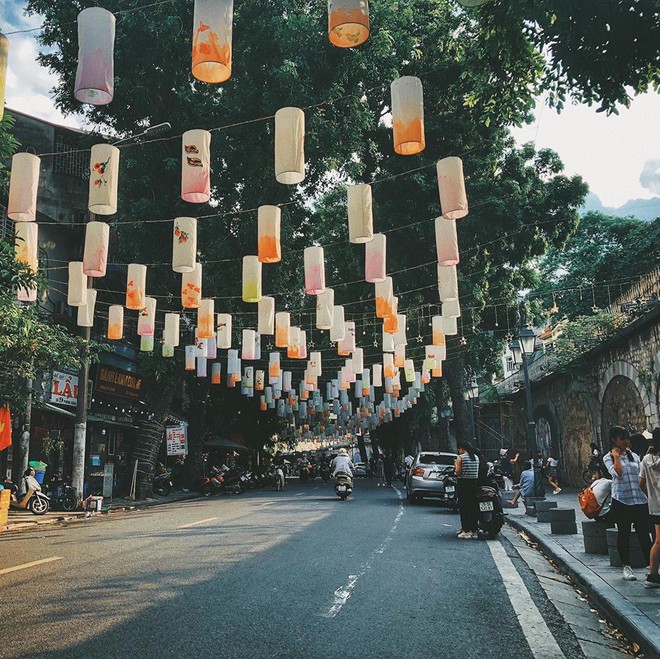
<point x="632" y="608"/>
<point x="21" y="520"/>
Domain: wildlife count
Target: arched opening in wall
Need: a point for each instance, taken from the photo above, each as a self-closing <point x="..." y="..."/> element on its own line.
<point x="622" y="406"/>
<point x="577" y="435"/>
<point x="547" y="437"/>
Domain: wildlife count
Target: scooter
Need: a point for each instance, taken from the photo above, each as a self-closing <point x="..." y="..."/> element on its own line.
<point x="343" y="485"/>
<point x="491" y="513"/>
<point x="62" y="495"/>
<point x="449" y="483"/>
<point x="325" y="472"/>
<point x="33" y="500"/>
<point x="211" y="484"/>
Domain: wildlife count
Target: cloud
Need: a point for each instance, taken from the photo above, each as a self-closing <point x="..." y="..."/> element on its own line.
<point x="650" y="176"/>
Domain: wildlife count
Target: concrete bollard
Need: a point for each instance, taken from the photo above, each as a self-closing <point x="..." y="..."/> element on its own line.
<point x="543" y="509"/>
<point x="595" y="537"/>
<point x="637" y="559"/>
<point x="562" y="521"/>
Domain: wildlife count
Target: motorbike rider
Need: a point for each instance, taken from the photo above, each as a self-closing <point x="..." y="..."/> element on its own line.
<point x="342" y="463"/>
<point x="278" y="461"/>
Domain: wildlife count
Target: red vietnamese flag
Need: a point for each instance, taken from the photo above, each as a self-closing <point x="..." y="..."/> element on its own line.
<point x="5" y="428"/>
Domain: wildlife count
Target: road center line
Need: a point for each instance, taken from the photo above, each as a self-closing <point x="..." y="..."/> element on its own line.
<point x="7" y="570"/>
<point x="201" y="521"/>
<point x="343" y="593"/>
<point x="539" y="637"/>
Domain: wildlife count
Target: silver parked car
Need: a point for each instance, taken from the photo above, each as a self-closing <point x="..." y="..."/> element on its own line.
<point x="425" y="478"/>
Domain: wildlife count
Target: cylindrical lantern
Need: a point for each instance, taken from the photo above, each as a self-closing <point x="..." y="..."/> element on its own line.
<point x="103" y="179"/>
<point x="347" y="345"/>
<point x="282" y="329"/>
<point x="377" y="375"/>
<point x="348" y="22"/>
<point x="233" y="365"/>
<point x="116" y="322"/>
<point x="251" y="279"/>
<point x="451" y="309"/>
<point x="223" y="336"/>
<point x="375" y="269"/>
<point x="274" y="371"/>
<point x="211" y="51"/>
<point x="409" y="370"/>
<point x="247" y="344"/>
<point x="446" y="242"/>
<point x="96" y="44"/>
<point x="211" y="347"/>
<point x="384" y="297"/>
<point x="191" y="288"/>
<point x="391" y="324"/>
<point x="437" y="332"/>
<point x="293" y="349"/>
<point x="165" y="351"/>
<point x="388" y="365"/>
<point x="400" y="356"/>
<point x="360" y="214"/>
<point x="86" y="311"/>
<point x="366" y="382"/>
<point x="77" y="288"/>
<point x="314" y="270"/>
<point x="190" y="358"/>
<point x="201" y="347"/>
<point x="338" y="328"/>
<point x="196" y="166"/>
<point x="136" y="285"/>
<point x="27" y="244"/>
<point x="408" y="115"/>
<point x="447" y="283"/>
<point x="171" y="331"/>
<point x="23" y="186"/>
<point x="450" y="326"/>
<point x="290" y="146"/>
<point x="184" y="244"/>
<point x="4" y="57"/>
<point x="147" y="318"/>
<point x="147" y="343"/>
<point x="358" y="360"/>
<point x="205" y="318"/>
<point x="388" y="341"/>
<point x="314" y="367"/>
<point x="325" y="303"/>
<point x="95" y="256"/>
<point x="400" y="334"/>
<point x="286" y="381"/>
<point x="266" y="315"/>
<point x="216" y="373"/>
<point x="268" y="245"/>
<point x="451" y="186"/>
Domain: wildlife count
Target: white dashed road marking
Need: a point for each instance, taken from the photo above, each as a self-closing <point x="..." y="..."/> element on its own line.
<point x="201" y="521"/>
<point x="7" y="570"/>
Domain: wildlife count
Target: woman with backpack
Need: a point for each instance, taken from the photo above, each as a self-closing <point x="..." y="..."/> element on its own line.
<point x="596" y="500"/>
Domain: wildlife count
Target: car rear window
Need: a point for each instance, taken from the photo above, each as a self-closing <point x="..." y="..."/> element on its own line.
<point x="430" y="459"/>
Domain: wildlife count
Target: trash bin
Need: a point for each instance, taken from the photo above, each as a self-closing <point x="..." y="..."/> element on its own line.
<point x="93" y="504"/>
<point x="39" y="470"/>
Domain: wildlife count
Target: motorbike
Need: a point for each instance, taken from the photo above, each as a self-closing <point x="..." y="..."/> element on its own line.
<point x="496" y="473"/>
<point x="62" y="495"/>
<point x="491" y="513"/>
<point x="449" y="483"/>
<point x="163" y="482"/>
<point x="304" y="473"/>
<point x="325" y="472"/>
<point x="33" y="500"/>
<point x="277" y="477"/>
<point x="213" y="483"/>
<point x="343" y="485"/>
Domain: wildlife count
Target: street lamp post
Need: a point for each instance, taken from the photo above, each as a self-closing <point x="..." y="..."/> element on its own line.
<point x="470" y="393"/>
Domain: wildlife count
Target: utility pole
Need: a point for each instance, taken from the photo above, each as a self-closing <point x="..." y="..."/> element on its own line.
<point x="22" y="456"/>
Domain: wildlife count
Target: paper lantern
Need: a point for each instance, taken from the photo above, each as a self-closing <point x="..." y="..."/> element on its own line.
<point x="388" y="365"/>
<point x="377" y="375"/>
<point x="211" y="51"/>
<point x="86" y="311"/>
<point x="325" y="307"/>
<point x="391" y="324"/>
<point x="282" y="329"/>
<point x="286" y="381"/>
<point x="266" y="315"/>
<point x="136" y="286"/>
<point x="211" y="347"/>
<point x="23" y="187"/>
<point x="171" y="330"/>
<point x="184" y="244"/>
<point x="116" y="322"/>
<point x="400" y="356"/>
<point x="103" y="179"/>
<point x="348" y="22"/>
<point x="375" y="269"/>
<point x="77" y="286"/>
<point x="216" y="373"/>
<point x="437" y="353"/>
<point x="438" y="335"/>
<point x="366" y="382"/>
<point x="349" y="371"/>
<point x="96" y="44"/>
<point x="314" y="367"/>
<point x="247" y="344"/>
<point x="358" y="360"/>
<point x="408" y="115"/>
<point x="384" y="297"/>
<point x="400" y="334"/>
<point x="201" y="347"/>
<point x="166" y="351"/>
<point x="360" y="214"/>
<point x="223" y="336"/>
<point x="451" y="186"/>
<point x="205" y="318"/>
<point x="347" y="345"/>
<point x="26" y="244"/>
<point x="147" y="318"/>
<point x="191" y="288"/>
<point x="147" y="343"/>
<point x="303" y="344"/>
<point x="95" y="255"/>
<point x="449" y="326"/>
<point x="269" y="221"/>
<point x="233" y="366"/>
<point x="446" y="242"/>
<point x="190" y="358"/>
<point x="447" y="283"/>
<point x="290" y="146"/>
<point x="338" y="328"/>
<point x="201" y="367"/>
<point x="196" y="166"/>
<point x="409" y="370"/>
<point x="262" y="403"/>
<point x="4" y="57"/>
<point x="293" y="348"/>
<point x="251" y="279"/>
<point x="451" y="309"/>
<point x="388" y="341"/>
<point x="314" y="270"/>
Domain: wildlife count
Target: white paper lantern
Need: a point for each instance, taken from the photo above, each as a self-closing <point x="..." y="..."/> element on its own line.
<point x="196" y="166"/>
<point x="147" y="318"/>
<point x="95" y="256"/>
<point x="377" y="375"/>
<point x="212" y="40"/>
<point x="282" y="329"/>
<point x="247" y="344"/>
<point x="201" y="347"/>
<point x="325" y="303"/>
<point x="86" y="312"/>
<point x="136" y="286"/>
<point x="400" y="356"/>
<point x="384" y="298"/>
<point x="274" y="372"/>
<point x="437" y="331"/>
<point x="23" y="187"/>
<point x="409" y="370"/>
<point x="26" y="244"/>
<point x="286" y="381"/>
<point x="347" y="345"/>
<point x="147" y="343"/>
<point x="171" y="331"/>
<point x="191" y="288"/>
<point x="251" y="279"/>
<point x="184" y="244"/>
<point x="290" y="146"/>
<point x="388" y="365"/>
<point x="266" y="315"/>
<point x="360" y="214"/>
<point x="77" y="286"/>
<point x="375" y="264"/>
<point x="205" y="318"/>
<point x="447" y="283"/>
<point x="358" y="360"/>
<point x="223" y="336"/>
<point x="446" y="242"/>
<point x="338" y="328"/>
<point x="96" y="43"/>
<point x="259" y="382"/>
<point x="451" y="186"/>
<point x="103" y="179"/>
<point x="165" y="351"/>
<point x="211" y="347"/>
<point x="348" y="22"/>
<point x="400" y="334"/>
<point x="314" y="270"/>
<point x="314" y="366"/>
<point x="388" y="341"/>
<point x="449" y="326"/>
<point x="116" y="322"/>
<point x="451" y="309"/>
<point x="408" y="115"/>
<point x="269" y="220"/>
<point x="190" y="353"/>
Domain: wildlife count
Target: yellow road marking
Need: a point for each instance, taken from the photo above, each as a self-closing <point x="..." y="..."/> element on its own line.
<point x="32" y="564"/>
<point x="201" y="521"/>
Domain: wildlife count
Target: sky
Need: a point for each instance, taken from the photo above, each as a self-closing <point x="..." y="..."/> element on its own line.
<point x="618" y="156"/>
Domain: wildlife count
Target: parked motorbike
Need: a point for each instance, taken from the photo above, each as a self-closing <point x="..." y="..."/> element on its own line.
<point x="449" y="483"/>
<point x="343" y="485"/>
<point x="497" y="475"/>
<point x="162" y="481"/>
<point x="62" y="496"/>
<point x="325" y="472"/>
<point x="33" y="500"/>
<point x="213" y="483"/>
<point x="491" y="513"/>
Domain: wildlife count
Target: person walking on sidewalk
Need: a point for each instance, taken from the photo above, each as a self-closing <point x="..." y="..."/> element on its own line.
<point x="629" y="503"/>
<point x="467" y="472"/>
<point x="552" y="472"/>
<point x="649" y="481"/>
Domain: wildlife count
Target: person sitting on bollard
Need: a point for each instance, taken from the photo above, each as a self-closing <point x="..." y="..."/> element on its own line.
<point x="602" y="489"/>
<point x="526" y="485"/>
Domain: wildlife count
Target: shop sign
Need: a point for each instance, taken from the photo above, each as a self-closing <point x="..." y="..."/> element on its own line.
<point x="114" y="381"/>
<point x="176" y="438"/>
<point x="64" y="389"/>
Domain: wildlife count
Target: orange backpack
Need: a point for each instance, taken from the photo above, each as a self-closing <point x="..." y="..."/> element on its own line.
<point x="590" y="507"/>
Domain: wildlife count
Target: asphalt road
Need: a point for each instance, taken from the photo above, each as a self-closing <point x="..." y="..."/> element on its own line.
<point x="269" y="574"/>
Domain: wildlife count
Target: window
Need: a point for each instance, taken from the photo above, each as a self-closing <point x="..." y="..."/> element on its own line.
<point x="70" y="160"/>
<point x="509" y="365"/>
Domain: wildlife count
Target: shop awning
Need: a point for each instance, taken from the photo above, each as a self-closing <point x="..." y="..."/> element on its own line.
<point x="52" y="408"/>
<point x="99" y="419"/>
<point x="222" y="442"/>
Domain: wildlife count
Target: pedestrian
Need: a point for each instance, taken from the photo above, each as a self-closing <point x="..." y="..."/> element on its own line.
<point x="552" y="471"/>
<point x="467" y="472"/>
<point x="602" y="489"/>
<point x="629" y="503"/>
<point x="526" y="485"/>
<point x="506" y="467"/>
<point x="649" y="481"/>
<point x="639" y="443"/>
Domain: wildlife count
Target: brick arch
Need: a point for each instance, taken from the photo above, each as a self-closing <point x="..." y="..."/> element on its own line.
<point x="627" y="370"/>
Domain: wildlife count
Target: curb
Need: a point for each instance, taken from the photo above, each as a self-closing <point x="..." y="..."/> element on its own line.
<point x="625" y="615"/>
